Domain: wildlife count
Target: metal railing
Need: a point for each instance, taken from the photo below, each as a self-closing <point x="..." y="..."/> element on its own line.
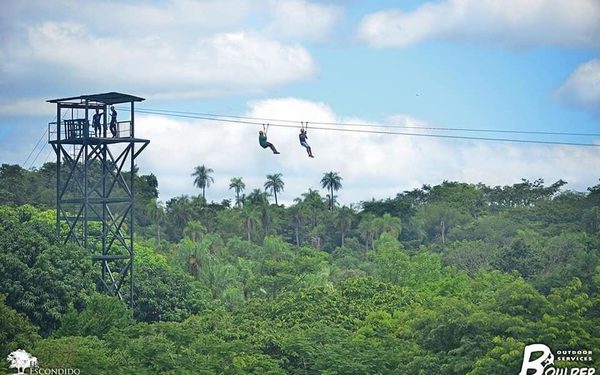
<point x="124" y="129"/>
<point x="52" y="132"/>
<point x="76" y="129"/>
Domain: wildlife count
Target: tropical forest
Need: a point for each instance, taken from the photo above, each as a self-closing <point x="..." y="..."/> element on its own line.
<point x="449" y="279"/>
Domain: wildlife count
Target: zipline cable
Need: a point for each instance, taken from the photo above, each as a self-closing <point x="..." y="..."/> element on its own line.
<point x="444" y="136"/>
<point x="43" y="147"/>
<point x="38" y="154"/>
<point x="36" y="145"/>
<point x="162" y="111"/>
<point x="48" y="156"/>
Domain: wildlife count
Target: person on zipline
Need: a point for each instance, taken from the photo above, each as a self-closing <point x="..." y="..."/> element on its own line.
<point x="303" y="136"/>
<point x="262" y="140"/>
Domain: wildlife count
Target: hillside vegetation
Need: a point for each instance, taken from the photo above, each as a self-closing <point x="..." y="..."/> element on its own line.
<point x="449" y="279"/>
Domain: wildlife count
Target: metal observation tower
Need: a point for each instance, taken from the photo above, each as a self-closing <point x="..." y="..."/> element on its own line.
<point x="95" y="190"/>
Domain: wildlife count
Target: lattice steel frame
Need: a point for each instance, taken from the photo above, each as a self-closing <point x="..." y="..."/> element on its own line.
<point x="95" y="191"/>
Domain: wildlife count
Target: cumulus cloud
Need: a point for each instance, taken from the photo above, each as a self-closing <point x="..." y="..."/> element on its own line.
<point x="372" y="165"/>
<point x="30" y="107"/>
<point x="582" y="88"/>
<point x="514" y="23"/>
<point x="132" y="17"/>
<point x="302" y="19"/>
<point x="177" y="48"/>
<point x="232" y="149"/>
<point x="241" y="60"/>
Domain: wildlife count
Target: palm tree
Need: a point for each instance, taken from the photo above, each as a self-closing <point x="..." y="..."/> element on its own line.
<point x="331" y="201"/>
<point x="194" y="230"/>
<point x="297" y="215"/>
<point x="274" y="184"/>
<point x="256" y="197"/>
<point x="238" y="185"/>
<point x="312" y="198"/>
<point x="156" y="212"/>
<point x="366" y="228"/>
<point x="250" y="220"/>
<point x="333" y="182"/>
<point x="388" y="224"/>
<point x="203" y="178"/>
<point x="343" y="219"/>
<point x="179" y="212"/>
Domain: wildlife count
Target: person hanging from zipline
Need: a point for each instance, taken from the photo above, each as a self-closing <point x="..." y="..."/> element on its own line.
<point x="262" y="140"/>
<point x="303" y="136"/>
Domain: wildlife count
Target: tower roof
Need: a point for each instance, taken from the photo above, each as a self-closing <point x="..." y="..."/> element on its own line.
<point x="107" y="98"/>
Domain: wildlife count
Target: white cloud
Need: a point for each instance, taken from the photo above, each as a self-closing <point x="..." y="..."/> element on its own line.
<point x="133" y="17"/>
<point x="515" y="23"/>
<point x="372" y="165"/>
<point x="582" y="88"/>
<point x="28" y="107"/>
<point x="291" y="108"/>
<point x="302" y="19"/>
<point x="174" y="49"/>
<point x="241" y="60"/>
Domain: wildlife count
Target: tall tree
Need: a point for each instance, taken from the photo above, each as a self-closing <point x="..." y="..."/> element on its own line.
<point x="16" y="330"/>
<point x="297" y="215"/>
<point x="203" y="178"/>
<point x="156" y="212"/>
<point x="194" y="230"/>
<point x="331" y="181"/>
<point x="179" y="211"/>
<point x="40" y="274"/>
<point x="274" y="184"/>
<point x="238" y="185"/>
<point x="388" y="224"/>
<point x="256" y="198"/>
<point x="311" y="199"/>
<point x="250" y="220"/>
<point x="436" y="220"/>
<point x="367" y="229"/>
<point x="343" y="220"/>
<point x="258" y="201"/>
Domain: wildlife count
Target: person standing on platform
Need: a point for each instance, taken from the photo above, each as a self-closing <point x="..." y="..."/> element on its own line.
<point x="113" y="121"/>
<point x="96" y="123"/>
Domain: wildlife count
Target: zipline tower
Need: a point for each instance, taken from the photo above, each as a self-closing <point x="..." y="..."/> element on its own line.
<point x="95" y="192"/>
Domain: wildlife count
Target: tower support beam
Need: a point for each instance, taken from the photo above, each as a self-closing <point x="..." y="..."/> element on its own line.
<point x="95" y="192"/>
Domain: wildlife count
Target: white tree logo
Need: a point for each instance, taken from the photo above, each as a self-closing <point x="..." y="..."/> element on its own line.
<point x="21" y="360"/>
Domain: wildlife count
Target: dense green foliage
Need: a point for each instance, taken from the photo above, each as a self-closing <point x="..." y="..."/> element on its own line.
<point x="448" y="279"/>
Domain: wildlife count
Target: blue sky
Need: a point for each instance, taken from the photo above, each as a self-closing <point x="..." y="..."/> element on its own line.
<point x="529" y="65"/>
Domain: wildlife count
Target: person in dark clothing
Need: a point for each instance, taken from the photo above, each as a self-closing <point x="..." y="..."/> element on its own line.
<point x="303" y="136"/>
<point x="113" y="121"/>
<point x="96" y="123"/>
<point x="262" y="140"/>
